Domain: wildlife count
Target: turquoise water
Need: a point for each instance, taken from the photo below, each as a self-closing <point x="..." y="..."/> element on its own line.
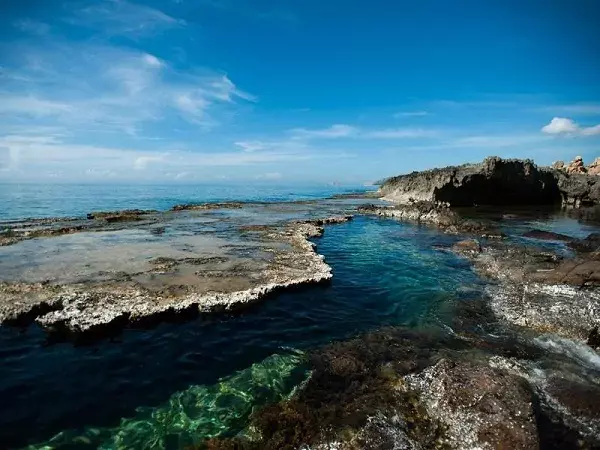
<point x="18" y="201"/>
<point x="146" y="385"/>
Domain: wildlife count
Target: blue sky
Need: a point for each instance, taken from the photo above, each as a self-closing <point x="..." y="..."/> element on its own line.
<point x="300" y="90"/>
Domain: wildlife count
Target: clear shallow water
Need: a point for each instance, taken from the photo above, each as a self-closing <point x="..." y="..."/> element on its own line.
<point x="19" y="201"/>
<point x="385" y="273"/>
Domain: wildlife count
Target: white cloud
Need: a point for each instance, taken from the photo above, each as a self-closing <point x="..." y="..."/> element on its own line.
<point x="591" y="131"/>
<point x="253" y="146"/>
<point x="270" y="176"/>
<point x="110" y="88"/>
<point x="33" y="156"/>
<point x="561" y="125"/>
<point x="30" y="105"/>
<point x="142" y="162"/>
<point x="334" y="131"/>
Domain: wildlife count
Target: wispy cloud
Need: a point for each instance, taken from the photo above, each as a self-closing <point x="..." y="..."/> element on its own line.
<point x="33" y="27"/>
<point x="591" y="109"/>
<point x="565" y="126"/>
<point x="347" y="131"/>
<point x="420" y="113"/>
<point x="333" y="132"/>
<point x="112" y="88"/>
<point x="269" y="176"/>
<point x="120" y="17"/>
<point x="400" y="133"/>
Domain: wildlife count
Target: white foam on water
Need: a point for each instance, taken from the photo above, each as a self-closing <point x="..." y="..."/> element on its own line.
<point x="574" y="350"/>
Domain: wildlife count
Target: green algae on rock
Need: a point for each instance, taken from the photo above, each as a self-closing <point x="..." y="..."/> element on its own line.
<point x="198" y="413"/>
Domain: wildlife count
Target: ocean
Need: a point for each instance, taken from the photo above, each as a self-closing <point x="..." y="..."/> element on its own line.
<point x="19" y="201"/>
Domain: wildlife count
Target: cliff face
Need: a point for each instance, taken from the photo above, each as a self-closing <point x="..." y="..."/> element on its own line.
<point x="495" y="181"/>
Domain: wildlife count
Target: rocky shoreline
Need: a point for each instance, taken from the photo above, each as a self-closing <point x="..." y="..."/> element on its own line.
<point x="518" y="368"/>
<point x="91" y="309"/>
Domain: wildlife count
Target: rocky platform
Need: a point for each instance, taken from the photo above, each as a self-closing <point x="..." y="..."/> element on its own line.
<point x="288" y="258"/>
<point x="495" y="181"/>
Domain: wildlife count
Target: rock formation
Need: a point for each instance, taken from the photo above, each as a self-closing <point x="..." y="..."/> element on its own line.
<point x="594" y="167"/>
<point x="496" y="181"/>
<point x="576" y="166"/>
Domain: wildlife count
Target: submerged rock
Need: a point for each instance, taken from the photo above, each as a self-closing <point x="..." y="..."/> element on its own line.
<point x="467" y="246"/>
<point x="547" y="235"/>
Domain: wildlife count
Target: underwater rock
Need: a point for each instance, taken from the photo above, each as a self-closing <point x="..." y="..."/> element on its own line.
<point x="547" y="235"/>
<point x="197" y="413"/>
<point x="480" y="406"/>
<point x="467" y="246"/>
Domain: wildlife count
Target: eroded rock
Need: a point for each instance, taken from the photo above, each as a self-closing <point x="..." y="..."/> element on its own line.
<point x="82" y="309"/>
<point x="496" y="181"/>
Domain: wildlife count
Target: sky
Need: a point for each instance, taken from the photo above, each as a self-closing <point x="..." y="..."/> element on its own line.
<point x="212" y="91"/>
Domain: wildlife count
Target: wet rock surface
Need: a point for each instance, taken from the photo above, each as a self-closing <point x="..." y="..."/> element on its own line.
<point x="272" y="257"/>
<point x="541" y="290"/>
<point x="481" y="407"/>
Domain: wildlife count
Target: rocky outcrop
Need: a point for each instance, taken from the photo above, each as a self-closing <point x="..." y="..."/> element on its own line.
<point x="79" y="310"/>
<point x="496" y="181"/>
<point x="594" y="167"/>
<point x="576" y="166"/>
<point x="435" y="214"/>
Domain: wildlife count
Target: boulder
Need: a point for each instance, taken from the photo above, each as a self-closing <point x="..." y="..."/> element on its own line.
<point x="594" y="167"/>
<point x="576" y="166"/>
<point x="558" y="165"/>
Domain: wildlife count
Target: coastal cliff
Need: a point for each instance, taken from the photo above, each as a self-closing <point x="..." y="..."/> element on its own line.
<point x="495" y="181"/>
